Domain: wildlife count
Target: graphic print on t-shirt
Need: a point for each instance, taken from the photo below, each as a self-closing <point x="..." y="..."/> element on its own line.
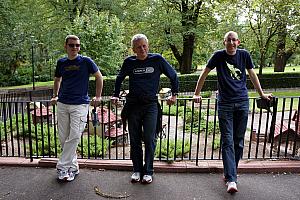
<point x="145" y="70"/>
<point x="235" y="73"/>
<point x="72" y="68"/>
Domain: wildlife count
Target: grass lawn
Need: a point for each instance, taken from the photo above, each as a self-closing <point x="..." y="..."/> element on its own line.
<point x="36" y="84"/>
<point x="268" y="70"/>
<point x="281" y="95"/>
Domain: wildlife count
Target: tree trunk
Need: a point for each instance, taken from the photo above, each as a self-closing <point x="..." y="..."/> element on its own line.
<point x="280" y="56"/>
<point x="189" y="11"/>
<point x="187" y="54"/>
<point x="174" y="49"/>
<point x="262" y="62"/>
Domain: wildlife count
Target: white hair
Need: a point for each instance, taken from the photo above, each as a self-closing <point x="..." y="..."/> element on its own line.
<point x="138" y="37"/>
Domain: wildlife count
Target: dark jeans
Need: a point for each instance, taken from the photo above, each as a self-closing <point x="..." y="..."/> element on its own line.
<point x="233" y="119"/>
<point x="142" y="119"/>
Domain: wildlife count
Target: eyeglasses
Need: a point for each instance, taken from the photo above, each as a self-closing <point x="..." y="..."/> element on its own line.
<point x="73" y="45"/>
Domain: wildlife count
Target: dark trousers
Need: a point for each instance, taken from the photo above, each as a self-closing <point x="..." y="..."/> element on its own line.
<point x="142" y="121"/>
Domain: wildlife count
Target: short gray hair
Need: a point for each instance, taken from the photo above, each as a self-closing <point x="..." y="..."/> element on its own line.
<point x="138" y="37"/>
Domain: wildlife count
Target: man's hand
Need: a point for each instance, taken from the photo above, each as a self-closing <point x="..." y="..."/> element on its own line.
<point x="53" y="100"/>
<point x="114" y="100"/>
<point x="96" y="101"/>
<point x="267" y="96"/>
<point x="197" y="98"/>
<point x="171" y="100"/>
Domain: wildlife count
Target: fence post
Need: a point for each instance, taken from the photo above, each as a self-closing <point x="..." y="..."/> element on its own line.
<point x="273" y="122"/>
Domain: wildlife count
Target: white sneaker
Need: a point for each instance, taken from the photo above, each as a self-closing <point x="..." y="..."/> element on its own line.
<point x="62" y="175"/>
<point x="72" y="175"/>
<point x="147" y="179"/>
<point x="231" y="187"/>
<point x="135" y="177"/>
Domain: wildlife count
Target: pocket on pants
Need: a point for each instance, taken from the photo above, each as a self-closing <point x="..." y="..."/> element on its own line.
<point x="82" y="123"/>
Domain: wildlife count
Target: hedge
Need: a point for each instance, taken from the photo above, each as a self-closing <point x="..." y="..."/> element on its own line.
<point x="188" y="82"/>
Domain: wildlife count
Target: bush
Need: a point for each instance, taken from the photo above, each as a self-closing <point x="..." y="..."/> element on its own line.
<point x="187" y="82"/>
<point x="168" y="149"/>
<point x="83" y="147"/>
<point x="48" y="144"/>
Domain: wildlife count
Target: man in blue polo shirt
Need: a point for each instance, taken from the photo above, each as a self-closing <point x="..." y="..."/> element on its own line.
<point x="233" y="104"/>
<point x="70" y="92"/>
<point x="144" y="70"/>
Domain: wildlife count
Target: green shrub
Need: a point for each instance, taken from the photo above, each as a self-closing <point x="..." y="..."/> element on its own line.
<point x="10" y="126"/>
<point x="47" y="142"/>
<point x="216" y="142"/>
<point x="93" y="153"/>
<point x="187" y="82"/>
<point x="168" y="150"/>
<point x="2" y="133"/>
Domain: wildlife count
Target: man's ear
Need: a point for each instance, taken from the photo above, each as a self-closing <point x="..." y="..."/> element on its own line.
<point x="224" y="42"/>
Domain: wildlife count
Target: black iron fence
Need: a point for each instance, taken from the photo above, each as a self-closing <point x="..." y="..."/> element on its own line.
<point x="190" y="131"/>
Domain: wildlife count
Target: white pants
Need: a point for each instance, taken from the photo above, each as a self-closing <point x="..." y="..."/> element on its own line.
<point x="71" y="121"/>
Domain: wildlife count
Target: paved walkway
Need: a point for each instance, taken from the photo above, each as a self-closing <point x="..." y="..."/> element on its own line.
<point x="205" y="166"/>
<point x="22" y="179"/>
<point x="28" y="183"/>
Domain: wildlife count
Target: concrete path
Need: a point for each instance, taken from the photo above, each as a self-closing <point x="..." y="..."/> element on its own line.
<point x="29" y="183"/>
<point x="265" y="179"/>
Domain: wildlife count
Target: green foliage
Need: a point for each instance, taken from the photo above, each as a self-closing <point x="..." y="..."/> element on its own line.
<point x="192" y="118"/>
<point x="168" y="149"/>
<point x="217" y="142"/>
<point x="203" y="123"/>
<point x="21" y="77"/>
<point x="11" y="125"/>
<point x="101" y="37"/>
<point x="172" y="110"/>
<point x="46" y="143"/>
<point x="100" y="151"/>
<point x="187" y="83"/>
<point x="2" y="133"/>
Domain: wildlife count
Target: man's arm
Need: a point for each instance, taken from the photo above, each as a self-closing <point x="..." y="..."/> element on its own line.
<point x="56" y="86"/>
<point x="99" y="86"/>
<point x="197" y="97"/>
<point x="120" y="78"/>
<point x="99" y="83"/>
<point x="255" y="81"/>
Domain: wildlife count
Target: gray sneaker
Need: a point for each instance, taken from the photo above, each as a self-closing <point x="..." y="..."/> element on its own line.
<point x="62" y="175"/>
<point x="72" y="175"/>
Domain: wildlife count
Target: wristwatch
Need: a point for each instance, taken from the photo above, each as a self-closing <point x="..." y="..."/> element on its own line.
<point x="54" y="95"/>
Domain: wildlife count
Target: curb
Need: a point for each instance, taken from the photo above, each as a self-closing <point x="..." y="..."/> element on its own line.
<point x="207" y="166"/>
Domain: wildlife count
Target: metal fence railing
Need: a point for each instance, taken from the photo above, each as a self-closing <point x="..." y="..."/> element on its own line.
<point x="190" y="131"/>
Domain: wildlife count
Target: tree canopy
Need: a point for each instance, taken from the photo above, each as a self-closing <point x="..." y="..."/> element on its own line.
<point x="185" y="32"/>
